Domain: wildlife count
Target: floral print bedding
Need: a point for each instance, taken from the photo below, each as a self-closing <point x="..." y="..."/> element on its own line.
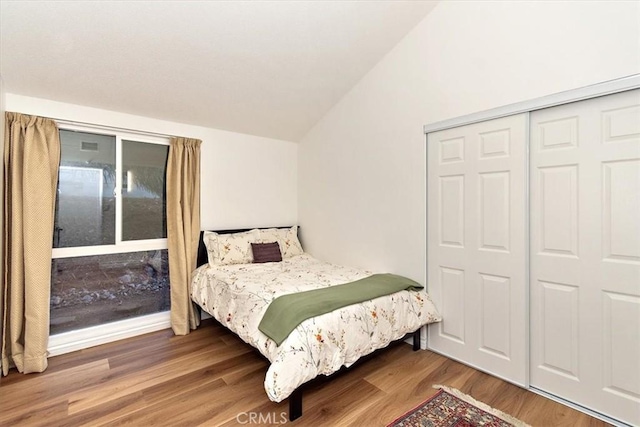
<point x="238" y="295"/>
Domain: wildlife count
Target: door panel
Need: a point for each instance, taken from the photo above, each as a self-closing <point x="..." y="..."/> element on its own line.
<point x="477" y="250"/>
<point x="495" y="326"/>
<point x="621" y="227"/>
<point x="452" y="210"/>
<point x="585" y="253"/>
<point x="494" y="211"/>
<point x="453" y="298"/>
<point x="559" y="308"/>
<point x="558" y="210"/>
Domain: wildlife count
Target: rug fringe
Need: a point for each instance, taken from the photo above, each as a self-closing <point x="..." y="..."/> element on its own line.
<point x="493" y="411"/>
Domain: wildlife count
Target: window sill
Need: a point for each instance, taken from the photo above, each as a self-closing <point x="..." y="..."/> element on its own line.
<point x="67" y="342"/>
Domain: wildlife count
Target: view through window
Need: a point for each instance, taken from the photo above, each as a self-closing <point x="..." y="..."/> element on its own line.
<point x="110" y="249"/>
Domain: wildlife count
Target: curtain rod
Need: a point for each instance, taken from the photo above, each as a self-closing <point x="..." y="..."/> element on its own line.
<point x="116" y="128"/>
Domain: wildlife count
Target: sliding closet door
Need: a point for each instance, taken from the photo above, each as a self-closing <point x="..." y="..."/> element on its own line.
<point x="585" y="253"/>
<point x="476" y="244"/>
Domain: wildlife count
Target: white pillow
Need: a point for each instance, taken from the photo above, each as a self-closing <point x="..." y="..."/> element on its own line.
<point x="287" y="239"/>
<point x="235" y="248"/>
<point x="268" y="235"/>
<point x="289" y="242"/>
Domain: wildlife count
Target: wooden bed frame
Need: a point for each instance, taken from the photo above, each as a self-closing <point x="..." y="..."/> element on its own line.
<point x="295" y="399"/>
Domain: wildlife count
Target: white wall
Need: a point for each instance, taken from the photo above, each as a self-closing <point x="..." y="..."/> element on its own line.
<point x="246" y="181"/>
<point x="361" y="181"/>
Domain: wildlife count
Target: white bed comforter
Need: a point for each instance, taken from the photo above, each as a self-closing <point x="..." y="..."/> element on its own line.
<point x="238" y="296"/>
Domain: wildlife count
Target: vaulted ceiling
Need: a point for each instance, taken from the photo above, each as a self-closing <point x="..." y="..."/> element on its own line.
<point x="268" y="68"/>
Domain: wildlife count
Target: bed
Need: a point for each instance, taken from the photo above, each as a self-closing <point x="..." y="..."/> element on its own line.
<point x="237" y="292"/>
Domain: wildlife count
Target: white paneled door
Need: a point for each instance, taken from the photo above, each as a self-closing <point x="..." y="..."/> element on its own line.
<point x="585" y="253"/>
<point x="477" y="247"/>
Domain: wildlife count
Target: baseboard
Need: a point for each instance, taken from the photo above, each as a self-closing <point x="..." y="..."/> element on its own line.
<point x="67" y="342"/>
<point x="423" y="338"/>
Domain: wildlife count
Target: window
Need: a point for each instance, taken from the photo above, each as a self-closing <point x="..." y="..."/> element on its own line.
<point x="110" y="241"/>
<point x="143" y="191"/>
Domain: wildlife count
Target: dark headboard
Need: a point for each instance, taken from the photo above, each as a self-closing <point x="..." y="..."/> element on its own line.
<point x="202" y="250"/>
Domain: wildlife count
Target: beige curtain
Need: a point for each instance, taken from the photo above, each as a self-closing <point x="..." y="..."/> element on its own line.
<point x="31" y="159"/>
<point x="183" y="228"/>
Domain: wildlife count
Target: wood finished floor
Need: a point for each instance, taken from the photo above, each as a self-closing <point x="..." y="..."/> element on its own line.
<point x="209" y="377"/>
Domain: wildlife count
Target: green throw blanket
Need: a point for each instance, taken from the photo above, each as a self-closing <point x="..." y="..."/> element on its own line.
<point x="286" y="312"/>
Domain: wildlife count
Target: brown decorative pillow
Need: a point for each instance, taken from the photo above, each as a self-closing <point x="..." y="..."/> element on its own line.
<point x="266" y="252"/>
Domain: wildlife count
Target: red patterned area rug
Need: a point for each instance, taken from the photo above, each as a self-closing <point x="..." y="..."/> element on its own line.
<point x="452" y="408"/>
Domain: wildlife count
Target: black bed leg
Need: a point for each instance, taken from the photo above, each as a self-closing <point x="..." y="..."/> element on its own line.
<point x="295" y="404"/>
<point x="416" y="340"/>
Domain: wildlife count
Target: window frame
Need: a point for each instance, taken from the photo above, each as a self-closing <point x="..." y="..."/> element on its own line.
<point x="120" y="246"/>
